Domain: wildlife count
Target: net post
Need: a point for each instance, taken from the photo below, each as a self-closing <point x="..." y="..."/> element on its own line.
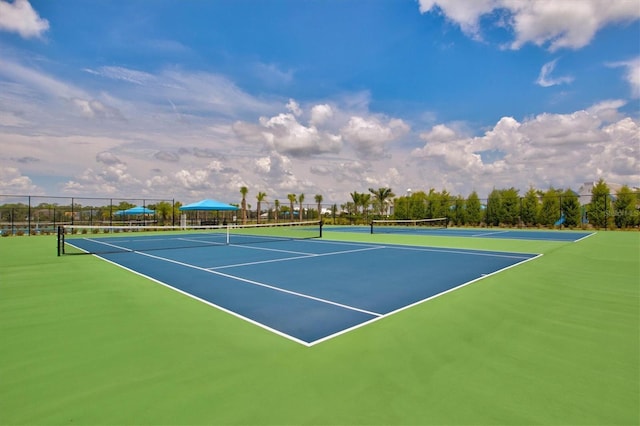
<point x="228" y="233"/>
<point x="371" y="225"/>
<point x="60" y="240"/>
<point x="321" y="224"/>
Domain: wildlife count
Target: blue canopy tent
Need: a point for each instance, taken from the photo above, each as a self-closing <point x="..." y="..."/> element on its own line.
<point x="134" y="211"/>
<point x="210" y="205"/>
<point x="207" y="205"/>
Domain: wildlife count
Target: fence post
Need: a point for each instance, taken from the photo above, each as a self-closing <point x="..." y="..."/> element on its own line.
<point x="606" y="213"/>
<point x="29" y="216"/>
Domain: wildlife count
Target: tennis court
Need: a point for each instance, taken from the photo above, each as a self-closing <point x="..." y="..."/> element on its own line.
<point x="493" y="233"/>
<point x="305" y="289"/>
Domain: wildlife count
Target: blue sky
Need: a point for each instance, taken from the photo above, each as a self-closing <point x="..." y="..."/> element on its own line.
<point x="194" y="99"/>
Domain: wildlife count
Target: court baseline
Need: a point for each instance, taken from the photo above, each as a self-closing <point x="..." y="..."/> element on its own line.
<point x="312" y="290"/>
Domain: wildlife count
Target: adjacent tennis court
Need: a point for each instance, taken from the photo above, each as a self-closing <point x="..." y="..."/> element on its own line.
<point x="305" y="289"/>
<point x="438" y="227"/>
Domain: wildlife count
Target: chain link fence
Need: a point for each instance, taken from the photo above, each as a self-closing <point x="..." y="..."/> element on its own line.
<point x="36" y="215"/>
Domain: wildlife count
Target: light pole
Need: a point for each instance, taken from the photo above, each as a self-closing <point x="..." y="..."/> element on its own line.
<point x="408" y="203"/>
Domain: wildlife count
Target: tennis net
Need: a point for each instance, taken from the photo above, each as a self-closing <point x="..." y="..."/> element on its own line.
<point x="76" y="239"/>
<point x="407" y="225"/>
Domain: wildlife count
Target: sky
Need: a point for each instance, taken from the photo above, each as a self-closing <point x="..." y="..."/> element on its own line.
<point x="190" y="99"/>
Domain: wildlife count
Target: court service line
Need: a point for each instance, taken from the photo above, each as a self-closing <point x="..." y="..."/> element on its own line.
<point x="472" y="252"/>
<point x="236" y="314"/>
<point x="111" y="245"/>
<point x="202" y="241"/>
<point x="489" y="233"/>
<point x="465" y="252"/>
<point x="286" y="259"/>
<point x="233" y="277"/>
<point x="272" y="249"/>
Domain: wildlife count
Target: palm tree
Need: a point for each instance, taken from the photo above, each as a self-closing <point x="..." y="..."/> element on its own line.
<point x="292" y="199"/>
<point x="300" y="200"/>
<point x="356" y="197"/>
<point x="244" y="190"/>
<point x="318" y="199"/>
<point x="381" y="195"/>
<point x="365" y="201"/>
<point x="276" y="206"/>
<point x="260" y="198"/>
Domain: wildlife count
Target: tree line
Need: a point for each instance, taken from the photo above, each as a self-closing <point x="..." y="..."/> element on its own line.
<point x="506" y="207"/>
<point x="503" y="207"/>
<point x="279" y="211"/>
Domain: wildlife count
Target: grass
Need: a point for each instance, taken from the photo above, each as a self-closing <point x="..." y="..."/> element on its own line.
<point x="552" y="341"/>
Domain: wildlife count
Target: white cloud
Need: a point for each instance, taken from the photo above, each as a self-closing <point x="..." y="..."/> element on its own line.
<point x="110" y="179"/>
<point x="369" y="136"/>
<point x="169" y="156"/>
<point x="273" y="167"/>
<point x="294" y="107"/>
<point x="107" y="158"/>
<point x="622" y="156"/>
<point x="440" y="132"/>
<point x="59" y="94"/>
<point x="566" y="24"/>
<point x="92" y="108"/>
<point x="549" y="149"/>
<point x="389" y="178"/>
<point x="124" y="74"/>
<point x="465" y="13"/>
<point x="546" y="80"/>
<point x="328" y="127"/>
<point x="632" y="74"/>
<point x="551" y="23"/>
<point x="19" y="17"/>
<point x="11" y="119"/>
<point x="607" y="110"/>
<point x="13" y="182"/>
<point x="285" y="134"/>
<point x="126" y="139"/>
<point x="37" y="80"/>
<point x="263" y="165"/>
<point x="190" y="94"/>
<point x="320" y="114"/>
<point x="194" y="179"/>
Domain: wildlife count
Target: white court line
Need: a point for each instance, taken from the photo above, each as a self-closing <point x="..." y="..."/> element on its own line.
<point x="233" y="277"/>
<point x="110" y="245"/>
<point x="207" y="302"/>
<point x="377" y="316"/>
<point x="489" y="233"/>
<point x="471" y="252"/>
<point x="586" y="236"/>
<point x="286" y="259"/>
<point x="468" y="252"/>
<point x="483" y="276"/>
<point x="271" y="249"/>
<point x="200" y="241"/>
<point x="236" y="314"/>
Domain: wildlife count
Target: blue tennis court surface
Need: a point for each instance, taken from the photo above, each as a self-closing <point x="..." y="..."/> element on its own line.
<point x="308" y="290"/>
<point x="512" y="234"/>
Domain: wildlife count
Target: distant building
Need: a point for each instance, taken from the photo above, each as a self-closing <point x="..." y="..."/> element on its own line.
<point x="584" y="193"/>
